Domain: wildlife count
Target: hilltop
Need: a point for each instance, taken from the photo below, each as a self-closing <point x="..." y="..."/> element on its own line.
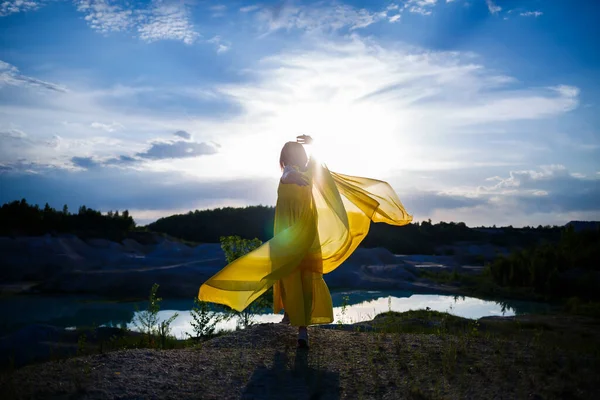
<point x="415" y="355"/>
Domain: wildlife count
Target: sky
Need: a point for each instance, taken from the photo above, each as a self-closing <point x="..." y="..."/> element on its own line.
<point x="480" y="111"/>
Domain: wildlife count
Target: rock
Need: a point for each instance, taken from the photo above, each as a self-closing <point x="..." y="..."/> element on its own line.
<point x="67" y="264"/>
<point x="32" y="344"/>
<point x="39" y="342"/>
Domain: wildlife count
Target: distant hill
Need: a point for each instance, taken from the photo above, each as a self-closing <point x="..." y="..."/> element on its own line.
<point x="207" y="226"/>
<point x="584" y="225"/>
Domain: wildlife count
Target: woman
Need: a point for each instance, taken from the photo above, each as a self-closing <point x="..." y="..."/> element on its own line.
<point x="320" y="219"/>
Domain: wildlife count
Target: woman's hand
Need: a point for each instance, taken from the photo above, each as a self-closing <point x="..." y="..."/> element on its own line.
<point x="304" y="139"/>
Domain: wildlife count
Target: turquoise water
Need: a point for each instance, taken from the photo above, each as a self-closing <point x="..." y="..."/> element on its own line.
<point x="80" y="311"/>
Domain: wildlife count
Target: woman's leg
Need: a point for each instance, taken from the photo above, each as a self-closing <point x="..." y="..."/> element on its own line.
<point x="293" y="299"/>
<point x="302" y="337"/>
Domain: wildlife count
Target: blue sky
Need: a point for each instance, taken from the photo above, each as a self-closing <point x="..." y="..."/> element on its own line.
<point x="481" y="111"/>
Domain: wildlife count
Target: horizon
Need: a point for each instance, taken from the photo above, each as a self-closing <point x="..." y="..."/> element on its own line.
<point x="419" y="222"/>
<point x="485" y="112"/>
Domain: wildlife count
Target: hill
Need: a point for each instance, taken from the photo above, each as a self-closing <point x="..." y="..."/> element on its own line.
<point x="207" y="226"/>
<point x="412" y="355"/>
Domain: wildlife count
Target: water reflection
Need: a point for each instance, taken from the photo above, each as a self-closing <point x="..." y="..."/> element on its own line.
<point x="78" y="311"/>
<point x="364" y="306"/>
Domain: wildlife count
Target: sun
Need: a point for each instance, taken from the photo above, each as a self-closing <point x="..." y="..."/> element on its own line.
<point x="361" y="141"/>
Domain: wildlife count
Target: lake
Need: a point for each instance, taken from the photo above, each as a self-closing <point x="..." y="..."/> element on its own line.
<point x="82" y="311"/>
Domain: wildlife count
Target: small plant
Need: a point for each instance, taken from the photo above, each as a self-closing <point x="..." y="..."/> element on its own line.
<point x="147" y="321"/>
<point x="81" y="344"/>
<point x="474" y="328"/>
<point x="204" y="320"/>
<point x="164" y="330"/>
<point x="345" y="301"/>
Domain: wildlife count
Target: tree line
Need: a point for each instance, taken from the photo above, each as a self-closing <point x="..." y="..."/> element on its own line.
<point x="208" y="226"/>
<point x="22" y="218"/>
<point x="568" y="267"/>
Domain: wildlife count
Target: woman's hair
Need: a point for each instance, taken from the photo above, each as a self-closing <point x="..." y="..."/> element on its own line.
<point x="293" y="154"/>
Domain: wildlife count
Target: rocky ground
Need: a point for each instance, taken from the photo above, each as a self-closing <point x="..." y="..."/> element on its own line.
<point x="418" y="355"/>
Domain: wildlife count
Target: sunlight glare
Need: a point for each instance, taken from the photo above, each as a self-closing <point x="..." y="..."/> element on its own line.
<point x="352" y="139"/>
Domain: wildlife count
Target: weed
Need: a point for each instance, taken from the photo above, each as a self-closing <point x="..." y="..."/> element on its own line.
<point x="147" y="321"/>
<point x="204" y="321"/>
<point x="344" y="310"/>
<point x="81" y="344"/>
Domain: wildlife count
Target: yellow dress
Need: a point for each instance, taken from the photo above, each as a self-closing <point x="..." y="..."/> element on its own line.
<point x="317" y="227"/>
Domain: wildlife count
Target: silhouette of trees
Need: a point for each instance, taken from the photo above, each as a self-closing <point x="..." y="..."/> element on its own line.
<point x="21" y="218"/>
<point x="208" y="226"/>
<point x="568" y="267"/>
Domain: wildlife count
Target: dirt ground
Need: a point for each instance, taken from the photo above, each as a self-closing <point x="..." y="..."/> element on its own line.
<point x="532" y="358"/>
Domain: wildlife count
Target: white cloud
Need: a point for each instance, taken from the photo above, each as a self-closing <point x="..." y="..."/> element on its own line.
<point x="316" y="18"/>
<point x="161" y="20"/>
<point x="526" y="179"/>
<point x="250" y="8"/>
<point x="222" y="45"/>
<point x="394" y="18"/>
<point x="13" y="133"/>
<point x="423" y="7"/>
<point x="531" y="14"/>
<point x="494" y="9"/>
<point x="566" y="90"/>
<point x="14" y="6"/>
<point x="106" y="127"/>
<point x="106" y="15"/>
<point x="10" y="76"/>
<point x="168" y="20"/>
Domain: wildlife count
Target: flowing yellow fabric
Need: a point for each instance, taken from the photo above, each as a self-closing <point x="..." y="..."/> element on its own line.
<point x="317" y="227"/>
